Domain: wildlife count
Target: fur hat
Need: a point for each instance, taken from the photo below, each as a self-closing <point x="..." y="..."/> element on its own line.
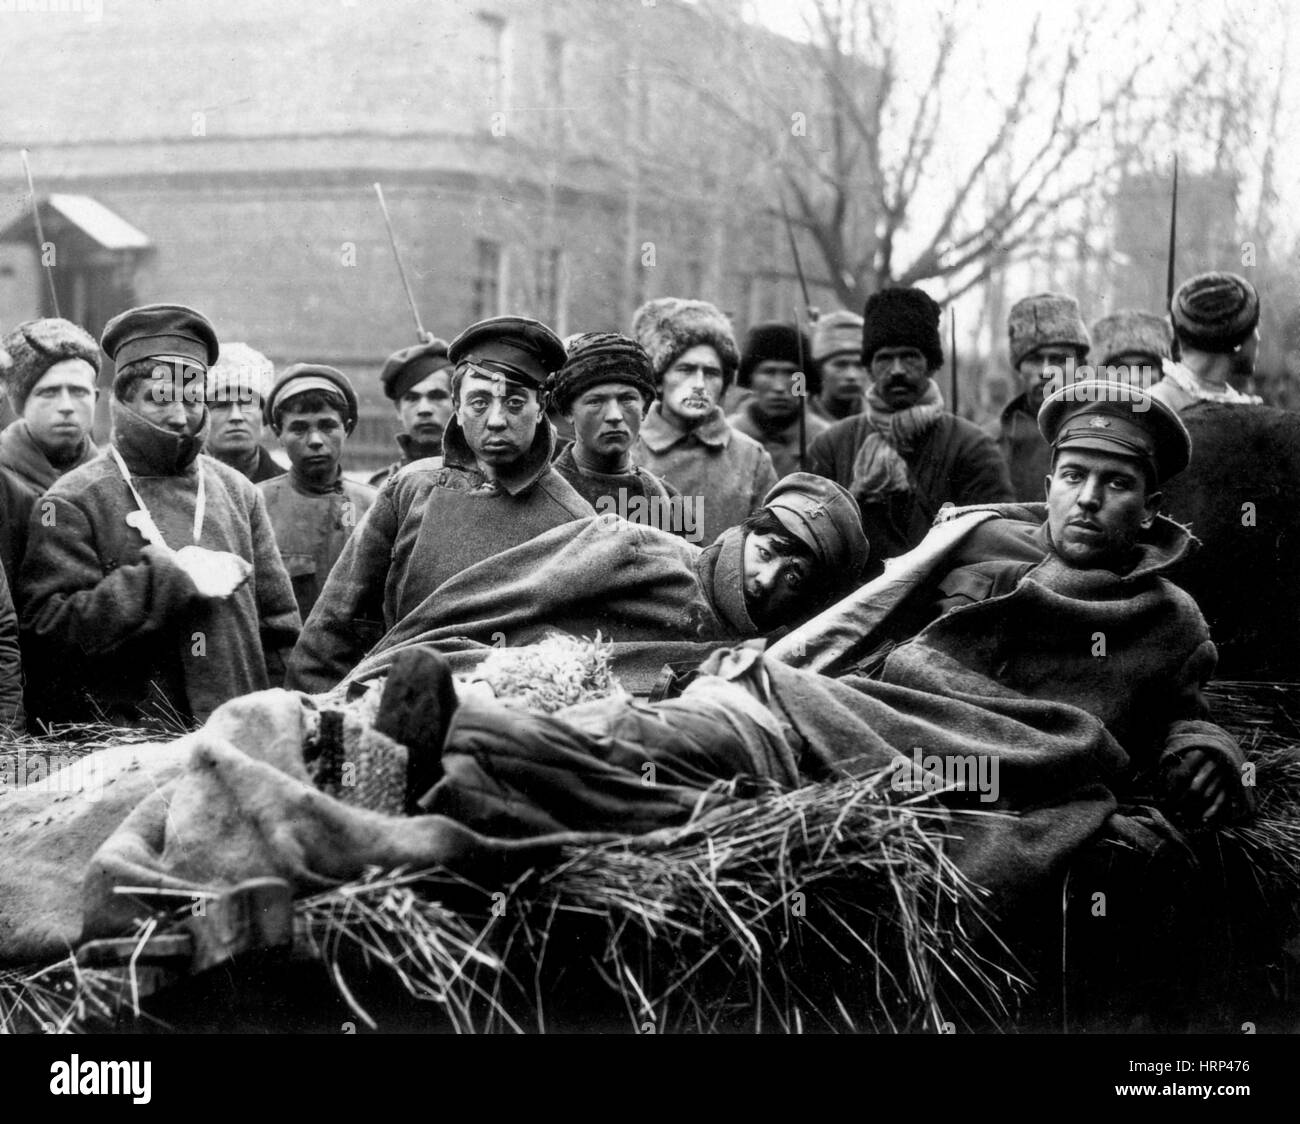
<point x="1131" y="332"/>
<point x="1043" y="320"/>
<point x="597" y="357"/>
<point x="668" y="326"/>
<point x="775" y="340"/>
<point x="902" y="318"/>
<point x="33" y="348"/>
<point x="1215" y="312"/>
<point x="836" y="333"/>
<point x="239" y="372"/>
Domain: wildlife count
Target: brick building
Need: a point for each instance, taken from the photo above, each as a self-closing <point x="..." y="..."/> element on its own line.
<point x="540" y="158"/>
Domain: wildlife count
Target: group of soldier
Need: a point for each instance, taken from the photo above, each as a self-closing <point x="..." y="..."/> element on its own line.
<point x="181" y="566"/>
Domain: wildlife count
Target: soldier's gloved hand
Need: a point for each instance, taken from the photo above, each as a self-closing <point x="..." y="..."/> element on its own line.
<point x="216" y="574"/>
<point x="1199" y="786"/>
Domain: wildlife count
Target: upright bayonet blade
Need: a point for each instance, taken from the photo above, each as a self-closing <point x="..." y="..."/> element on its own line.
<point x="392" y="241"/>
<point x="40" y="236"/>
<point x="1173" y="239"/>
<point x="952" y="343"/>
<point x="798" y="328"/>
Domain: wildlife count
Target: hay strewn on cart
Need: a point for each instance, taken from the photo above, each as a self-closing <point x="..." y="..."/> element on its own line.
<point x="824" y="908"/>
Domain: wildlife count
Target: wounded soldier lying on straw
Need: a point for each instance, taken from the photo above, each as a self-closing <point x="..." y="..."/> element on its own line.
<point x="1057" y="652"/>
<point x="631" y="583"/>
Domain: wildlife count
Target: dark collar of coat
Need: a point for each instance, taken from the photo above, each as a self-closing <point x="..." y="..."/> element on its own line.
<point x="1019" y="405"/>
<point x="1164" y="544"/>
<point x="412" y="451"/>
<point x="20" y="453"/>
<point x="150" y="450"/>
<point x="522" y="475"/>
<point x="660" y="434"/>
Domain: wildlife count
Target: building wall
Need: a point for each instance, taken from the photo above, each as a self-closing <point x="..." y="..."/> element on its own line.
<point x="244" y="138"/>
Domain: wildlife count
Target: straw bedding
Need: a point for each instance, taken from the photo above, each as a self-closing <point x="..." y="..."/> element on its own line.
<point x="823" y="908"/>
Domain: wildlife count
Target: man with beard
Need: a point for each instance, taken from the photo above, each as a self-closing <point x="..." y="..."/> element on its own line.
<point x="493" y="488"/>
<point x="1216" y="324"/>
<point x="49" y="368"/>
<point x="417" y="380"/>
<point x="1047" y="338"/>
<point x="905" y="457"/>
<point x="603" y="391"/>
<point x="775" y="355"/>
<point x="685" y="437"/>
<point x="312" y="409"/>
<point x="837" y="362"/>
<point x="235" y="391"/>
<point x="154" y="589"/>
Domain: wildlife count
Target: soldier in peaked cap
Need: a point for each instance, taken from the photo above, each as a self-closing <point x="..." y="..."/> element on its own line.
<point x="152" y="585"/>
<point x="417" y="380"/>
<point x="493" y="488"/>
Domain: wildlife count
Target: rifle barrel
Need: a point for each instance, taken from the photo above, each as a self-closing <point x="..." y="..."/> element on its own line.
<point x="40" y="235"/>
<point x="392" y="241"/>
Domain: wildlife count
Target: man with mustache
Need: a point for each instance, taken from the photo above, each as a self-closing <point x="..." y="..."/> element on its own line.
<point x="417" y="380"/>
<point x="236" y="388"/>
<point x="1047" y="338"/>
<point x="905" y="456"/>
<point x="686" y="438"/>
<point x="312" y="409"/>
<point x="492" y="489"/>
<point x="152" y="588"/>
<point x="772" y="366"/>
<point x="603" y="391"/>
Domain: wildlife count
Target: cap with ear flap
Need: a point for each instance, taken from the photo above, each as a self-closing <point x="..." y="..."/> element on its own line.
<point x="523" y="350"/>
<point x="1119" y="419"/>
<point x="824" y="517"/>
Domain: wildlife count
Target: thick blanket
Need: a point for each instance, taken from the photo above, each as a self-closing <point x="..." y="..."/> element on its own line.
<point x="233" y="801"/>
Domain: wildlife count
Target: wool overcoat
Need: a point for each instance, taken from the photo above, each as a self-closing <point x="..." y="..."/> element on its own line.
<point x="114" y="627"/>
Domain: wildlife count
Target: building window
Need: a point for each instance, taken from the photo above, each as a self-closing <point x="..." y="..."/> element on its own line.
<point x="487" y="279"/>
<point x="493" y="60"/>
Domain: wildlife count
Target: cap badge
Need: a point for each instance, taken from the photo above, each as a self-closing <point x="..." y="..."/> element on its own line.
<point x="1099" y="423"/>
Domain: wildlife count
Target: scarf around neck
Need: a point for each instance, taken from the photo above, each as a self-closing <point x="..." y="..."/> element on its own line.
<point x="151" y="450"/>
<point x="879" y="469"/>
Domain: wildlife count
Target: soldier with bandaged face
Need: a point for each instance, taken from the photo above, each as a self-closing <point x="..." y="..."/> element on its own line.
<point x="152" y="585"/>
